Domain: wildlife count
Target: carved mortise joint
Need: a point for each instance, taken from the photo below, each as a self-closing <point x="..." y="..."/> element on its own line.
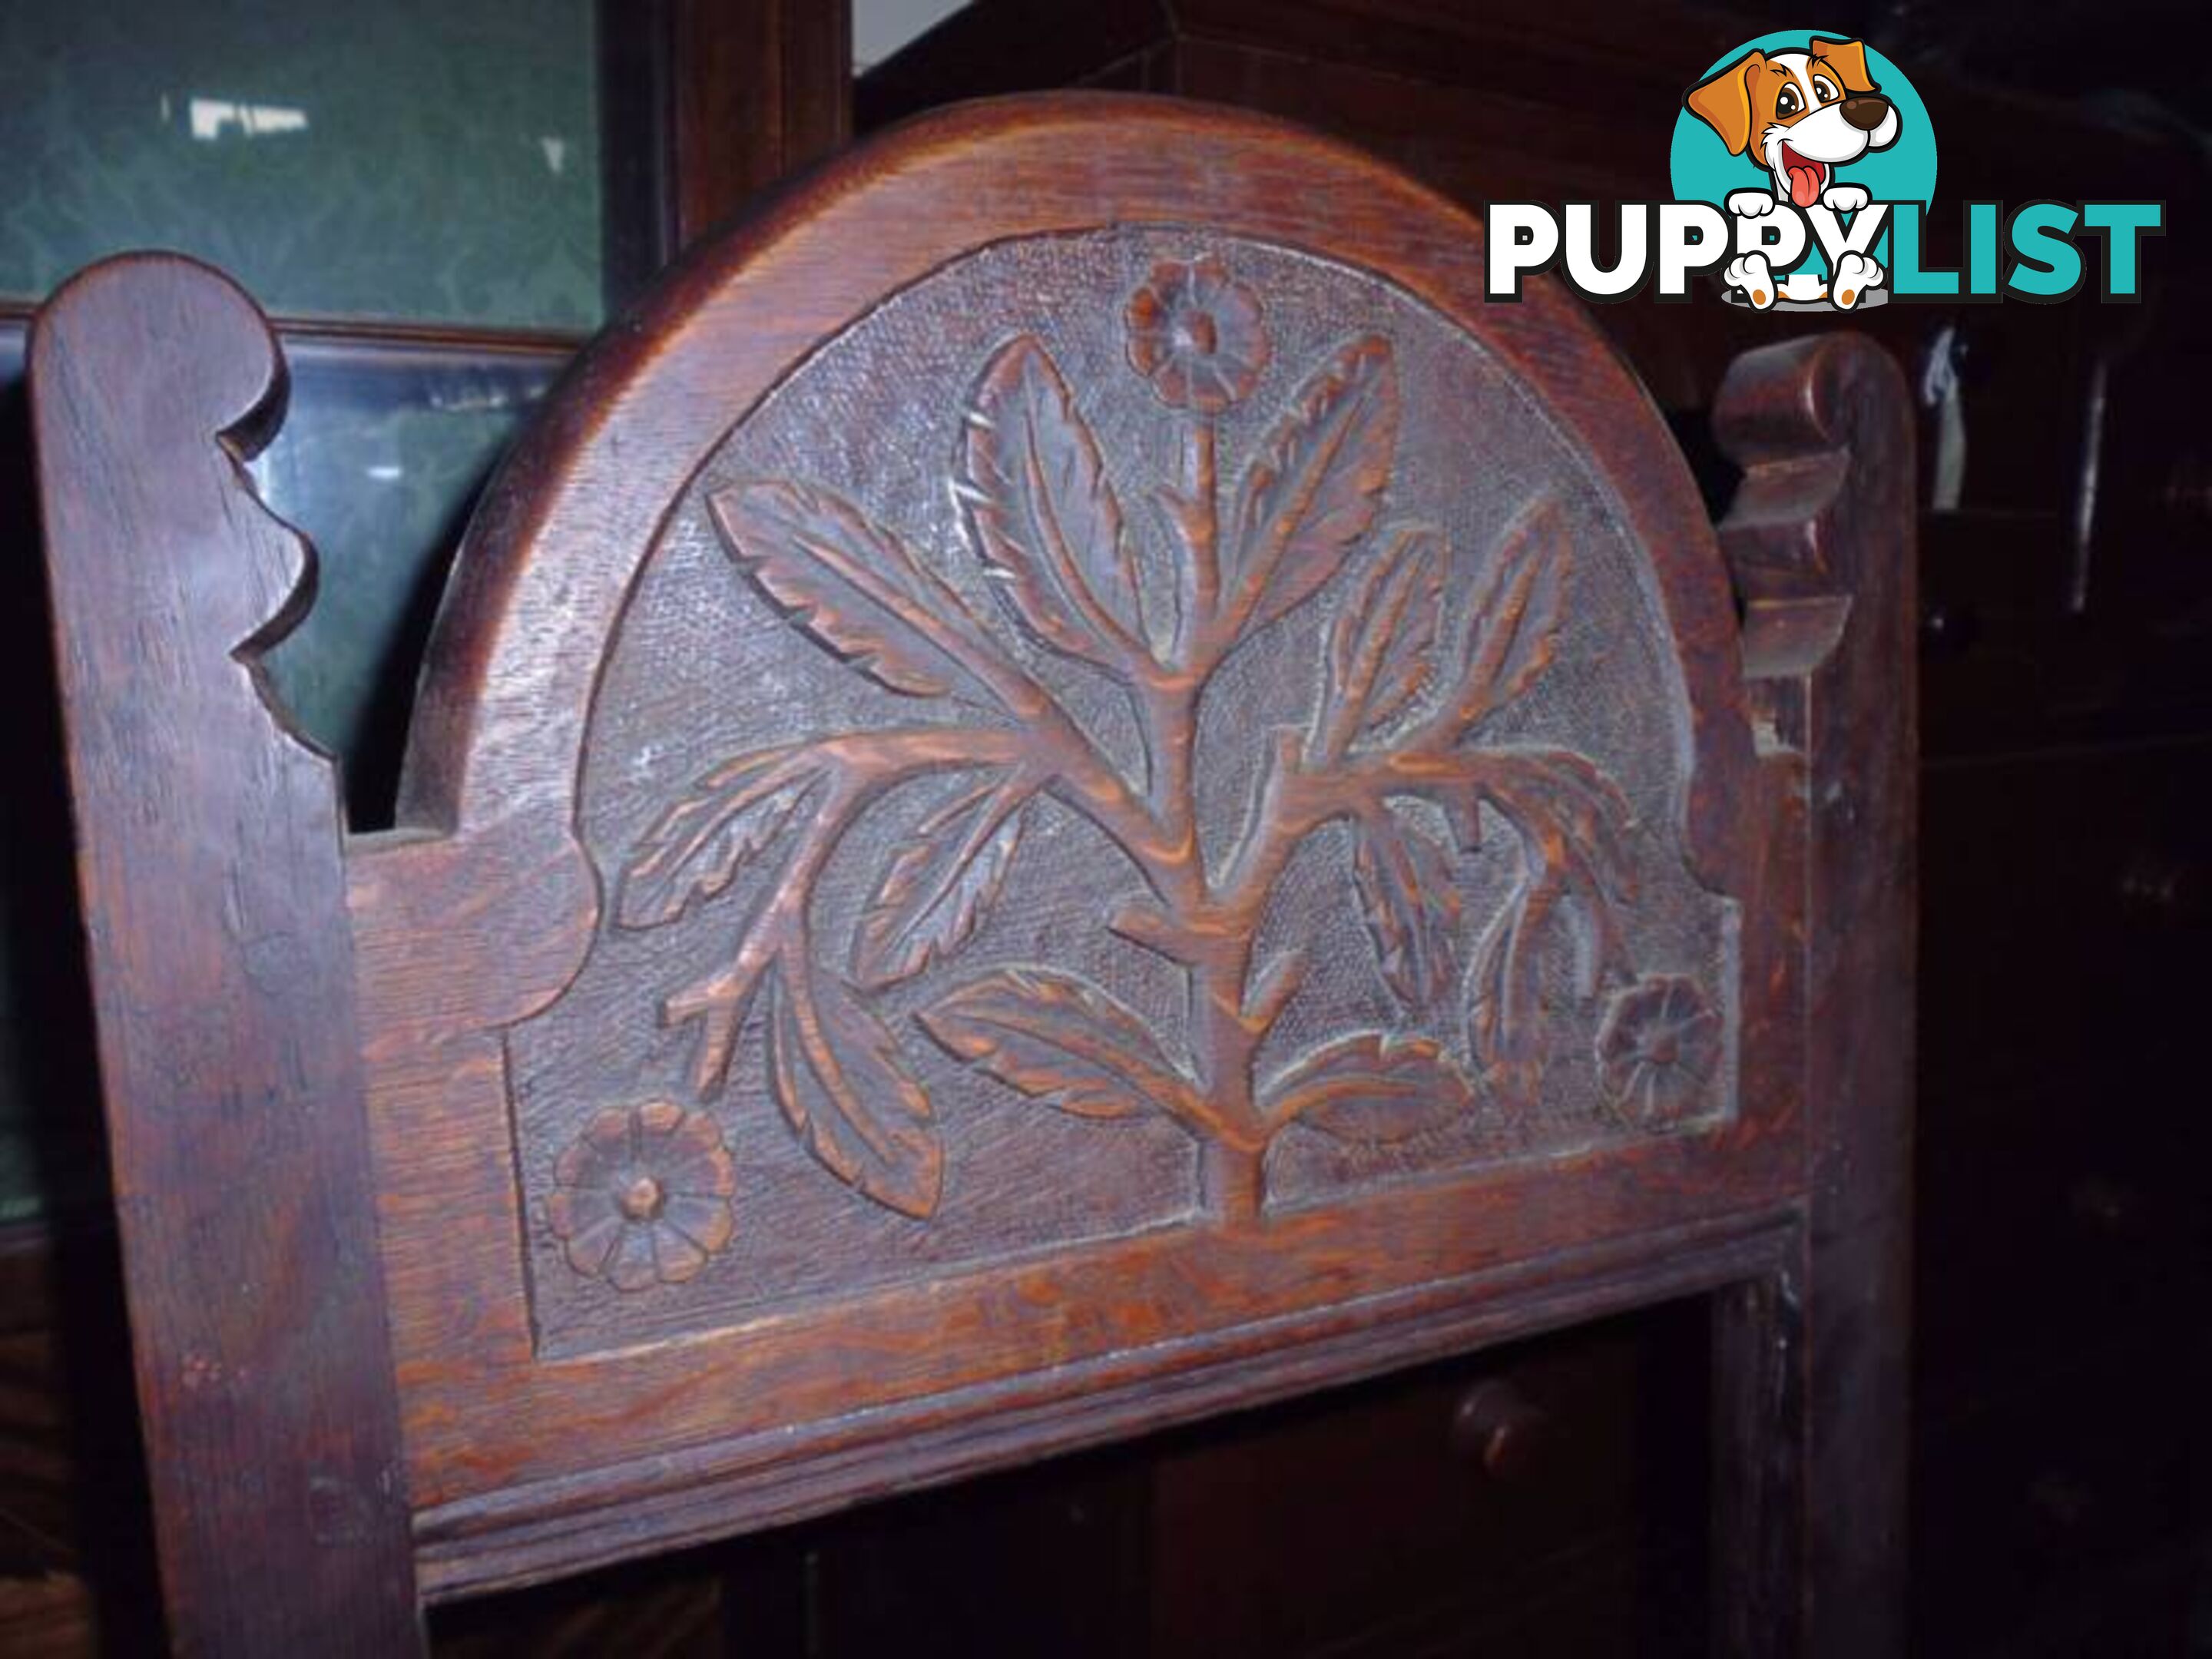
<point x="1782" y="419"/>
<point x="226" y="560"/>
<point x="1409" y="685"/>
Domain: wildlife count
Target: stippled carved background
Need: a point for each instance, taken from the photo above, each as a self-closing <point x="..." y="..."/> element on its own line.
<point x="1144" y="730"/>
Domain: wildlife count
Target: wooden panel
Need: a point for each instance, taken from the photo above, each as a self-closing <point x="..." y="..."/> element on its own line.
<point x="1405" y="1516"/>
<point x="691" y="612"/>
<point x="760" y="91"/>
<point x="1052" y="796"/>
<point x="208" y="858"/>
<point x="1820" y="426"/>
<point x="1045" y="946"/>
<point x="2051" y="1230"/>
<point x="1380" y="1522"/>
<point x="2060" y="1369"/>
<point x="1067" y="1544"/>
<point x="2069" y="1504"/>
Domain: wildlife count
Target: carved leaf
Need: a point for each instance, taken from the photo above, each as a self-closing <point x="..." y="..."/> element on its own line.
<point x="1314" y="489"/>
<point x="1411" y="904"/>
<point x="849" y="584"/>
<point x="1381" y="653"/>
<point x="1042" y="511"/>
<point x="1269" y="991"/>
<point x="1572" y="816"/>
<point x="699" y="846"/>
<point x="940" y="881"/>
<point x="1063" y="1041"/>
<point x="1513" y="619"/>
<point x="1569" y="819"/>
<point x="1371" y="1089"/>
<point x="837" y="1075"/>
<point x="1507" y="1020"/>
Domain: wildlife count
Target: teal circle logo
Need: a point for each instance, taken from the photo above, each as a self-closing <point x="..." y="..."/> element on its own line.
<point x="1812" y="119"/>
<point x="1704" y="169"/>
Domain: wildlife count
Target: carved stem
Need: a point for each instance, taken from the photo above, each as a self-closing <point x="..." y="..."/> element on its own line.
<point x="1220" y="1033"/>
<point x="1093" y="784"/>
<point x="1213" y="945"/>
<point x="865" y="764"/>
<point x="720" y="1001"/>
<point x="1215" y="952"/>
<point x="1232" y="1176"/>
<point x="1211" y="935"/>
<point x="1204" y="529"/>
<point x="1296" y="801"/>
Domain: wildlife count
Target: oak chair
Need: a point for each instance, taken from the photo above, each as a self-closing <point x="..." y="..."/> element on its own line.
<point x="1064" y="788"/>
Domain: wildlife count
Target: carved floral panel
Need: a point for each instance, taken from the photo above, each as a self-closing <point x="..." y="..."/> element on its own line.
<point x="1141" y="730"/>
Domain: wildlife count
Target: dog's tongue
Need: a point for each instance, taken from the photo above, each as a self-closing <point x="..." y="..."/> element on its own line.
<point x="1805" y="177"/>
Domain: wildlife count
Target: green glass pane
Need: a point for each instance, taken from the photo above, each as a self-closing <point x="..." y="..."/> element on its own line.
<point x="49" y="1102"/>
<point x="432" y="161"/>
<point x="381" y="454"/>
<point x="378" y="460"/>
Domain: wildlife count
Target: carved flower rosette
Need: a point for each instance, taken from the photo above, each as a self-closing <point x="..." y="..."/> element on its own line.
<point x="642" y="1196"/>
<point x="1163" y="608"/>
<point x="1658" y="1049"/>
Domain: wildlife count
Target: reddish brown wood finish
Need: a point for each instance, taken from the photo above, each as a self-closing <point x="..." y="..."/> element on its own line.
<point x="602" y="1339"/>
<point x="214" y="888"/>
<point x="1817" y="425"/>
<point x="761" y="88"/>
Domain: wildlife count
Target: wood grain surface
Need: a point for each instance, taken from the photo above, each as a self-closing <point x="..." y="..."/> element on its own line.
<point x="1064" y="788"/>
<point x="210" y="861"/>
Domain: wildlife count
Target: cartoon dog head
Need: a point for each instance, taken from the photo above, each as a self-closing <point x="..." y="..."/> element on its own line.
<point x="1803" y="113"/>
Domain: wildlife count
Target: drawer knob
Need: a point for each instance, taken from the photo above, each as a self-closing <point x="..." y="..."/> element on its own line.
<point x="2156" y="886"/>
<point x="1497" y="1425"/>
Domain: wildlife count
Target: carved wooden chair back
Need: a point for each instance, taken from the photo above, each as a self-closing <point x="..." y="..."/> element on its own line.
<point x="1067" y="787"/>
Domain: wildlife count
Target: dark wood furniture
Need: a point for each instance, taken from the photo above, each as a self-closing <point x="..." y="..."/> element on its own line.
<point x="699" y="107"/>
<point x="2062" y="1275"/>
<point x="1003" y="845"/>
